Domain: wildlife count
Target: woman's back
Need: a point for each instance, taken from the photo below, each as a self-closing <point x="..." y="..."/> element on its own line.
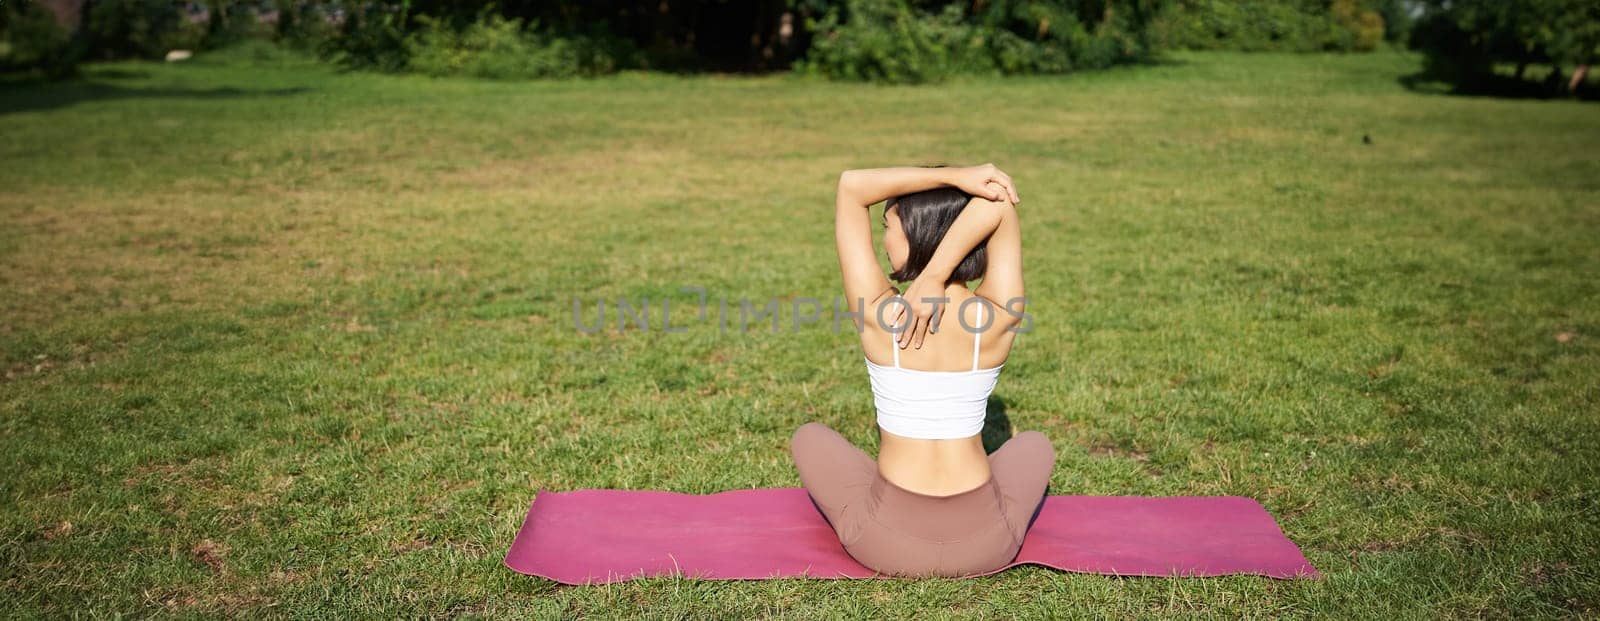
<point x="962" y="357"/>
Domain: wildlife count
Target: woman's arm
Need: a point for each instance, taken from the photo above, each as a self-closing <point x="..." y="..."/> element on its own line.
<point x="1002" y="277"/>
<point x="869" y="186"/>
<point x="859" y="189"/>
<point x="995" y="221"/>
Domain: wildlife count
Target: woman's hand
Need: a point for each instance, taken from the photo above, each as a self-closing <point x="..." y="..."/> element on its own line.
<point x="925" y="301"/>
<point x="986" y="181"/>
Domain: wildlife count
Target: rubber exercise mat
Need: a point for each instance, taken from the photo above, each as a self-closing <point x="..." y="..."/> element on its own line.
<point x="601" y="536"/>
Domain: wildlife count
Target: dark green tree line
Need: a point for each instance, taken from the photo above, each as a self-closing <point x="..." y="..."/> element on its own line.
<point x="878" y="40"/>
<point x="1464" y="40"/>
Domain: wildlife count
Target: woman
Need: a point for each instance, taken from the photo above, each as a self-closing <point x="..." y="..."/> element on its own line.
<point x="933" y="504"/>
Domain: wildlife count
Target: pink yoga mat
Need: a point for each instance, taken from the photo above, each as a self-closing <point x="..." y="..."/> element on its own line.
<point x="601" y="536"/>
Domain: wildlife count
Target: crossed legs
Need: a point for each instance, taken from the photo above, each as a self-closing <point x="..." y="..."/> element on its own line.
<point x="834" y="472"/>
<point x="838" y="476"/>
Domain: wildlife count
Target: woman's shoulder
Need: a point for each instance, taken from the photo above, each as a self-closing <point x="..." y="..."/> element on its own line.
<point x="981" y="314"/>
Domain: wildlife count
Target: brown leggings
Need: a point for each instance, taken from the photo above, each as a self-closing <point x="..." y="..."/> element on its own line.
<point x="900" y="532"/>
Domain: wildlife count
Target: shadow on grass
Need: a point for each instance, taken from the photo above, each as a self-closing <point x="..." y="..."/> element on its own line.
<point x="1499" y="86"/>
<point x="996" y="431"/>
<point x="996" y="425"/>
<point x="39" y="95"/>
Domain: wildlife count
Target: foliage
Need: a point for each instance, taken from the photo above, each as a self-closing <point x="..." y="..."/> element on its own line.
<point x="232" y="21"/>
<point x="1272" y="26"/>
<point x="30" y="39"/>
<point x="492" y="46"/>
<point x="1463" y="39"/>
<point x="1397" y="18"/>
<point x="488" y="45"/>
<point x="372" y="36"/>
<point x="1065" y="35"/>
<point x="304" y="25"/>
<point x="141" y="28"/>
<point x="895" y="41"/>
<point x="1357" y="28"/>
<point x="889" y="41"/>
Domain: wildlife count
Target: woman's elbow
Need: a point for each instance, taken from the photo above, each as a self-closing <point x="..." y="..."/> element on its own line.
<point x="847" y="179"/>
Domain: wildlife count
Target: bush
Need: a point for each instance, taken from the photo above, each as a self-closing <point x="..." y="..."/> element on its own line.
<point x="1397" y="19"/>
<point x="371" y="36"/>
<point x="888" y="41"/>
<point x="495" y="47"/>
<point x="233" y="21"/>
<point x="141" y="28"/>
<point x="1272" y="26"/>
<point x="304" y="25"/>
<point x="1358" y="28"/>
<point x="489" y="46"/>
<point x="30" y="39"/>
<point x="1065" y="36"/>
<point x="891" y="41"/>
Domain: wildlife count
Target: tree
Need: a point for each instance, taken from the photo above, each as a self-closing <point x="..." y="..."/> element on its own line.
<point x="1464" y="39"/>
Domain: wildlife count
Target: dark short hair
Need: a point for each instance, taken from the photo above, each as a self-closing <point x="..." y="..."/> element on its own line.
<point x="925" y="217"/>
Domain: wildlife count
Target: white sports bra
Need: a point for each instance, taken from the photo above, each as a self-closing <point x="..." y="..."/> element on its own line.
<point x="932" y="405"/>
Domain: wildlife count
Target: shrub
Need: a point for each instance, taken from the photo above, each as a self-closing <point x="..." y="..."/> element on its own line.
<point x="1397" y="19"/>
<point x="30" y="39"/>
<point x="495" y="47"/>
<point x="232" y="21"/>
<point x="1359" y="29"/>
<point x="141" y="28"/>
<point x="304" y="25"/>
<point x="889" y="41"/>
<point x="370" y="36"/>
<point x="488" y="46"/>
<point x="1066" y="36"/>
<point x="1271" y="26"/>
<point x="892" y="41"/>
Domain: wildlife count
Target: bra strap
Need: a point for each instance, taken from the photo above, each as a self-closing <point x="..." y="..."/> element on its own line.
<point x="977" y="337"/>
<point x="894" y="346"/>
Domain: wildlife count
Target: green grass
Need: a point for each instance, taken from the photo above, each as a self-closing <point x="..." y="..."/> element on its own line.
<point x="284" y="341"/>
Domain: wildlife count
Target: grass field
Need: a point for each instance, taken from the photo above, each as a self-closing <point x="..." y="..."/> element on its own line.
<point x="289" y="342"/>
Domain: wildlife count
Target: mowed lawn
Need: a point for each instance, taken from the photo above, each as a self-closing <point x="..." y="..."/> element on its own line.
<point x="285" y="341"/>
